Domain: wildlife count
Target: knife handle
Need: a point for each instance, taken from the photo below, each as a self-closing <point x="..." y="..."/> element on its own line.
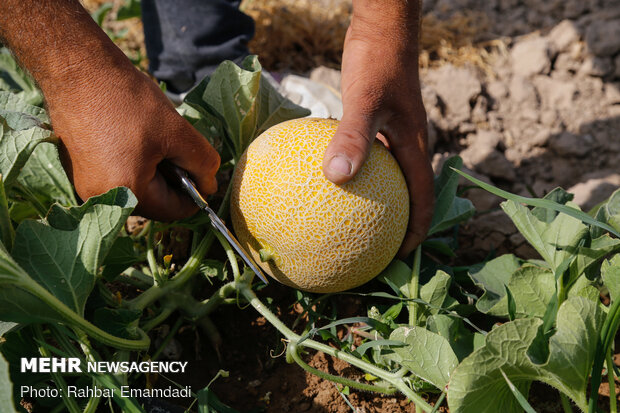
<point x="177" y="176"/>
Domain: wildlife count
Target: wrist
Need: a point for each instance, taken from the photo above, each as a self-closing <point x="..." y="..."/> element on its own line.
<point x="391" y="23"/>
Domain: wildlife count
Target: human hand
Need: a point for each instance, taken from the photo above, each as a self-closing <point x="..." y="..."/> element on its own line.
<point x="116" y="130"/>
<point x="381" y="95"/>
<point x="114" y="124"/>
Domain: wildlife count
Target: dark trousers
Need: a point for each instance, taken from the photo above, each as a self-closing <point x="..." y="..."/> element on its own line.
<point x="187" y="39"/>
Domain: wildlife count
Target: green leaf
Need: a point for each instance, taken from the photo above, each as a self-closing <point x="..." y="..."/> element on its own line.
<point x="213" y="268"/>
<point x="492" y="277"/>
<point x="435" y="293"/>
<point x="477" y="384"/>
<point x="449" y="210"/>
<point x="6" y="388"/>
<point x="558" y="195"/>
<point x="520" y="398"/>
<point x="427" y="355"/>
<point x="119" y="322"/>
<point x="14" y="79"/>
<point x="545" y="203"/>
<point x="453" y="329"/>
<point x="554" y="241"/>
<point x="65" y="258"/>
<point x="19" y="114"/>
<point x="398" y="276"/>
<point x="103" y="10"/>
<point x="532" y="288"/>
<point x="587" y="258"/>
<point x="45" y="177"/>
<point x="610" y="272"/>
<point x="122" y="255"/>
<point x="240" y="104"/>
<point x="129" y="10"/>
<point x="16" y="146"/>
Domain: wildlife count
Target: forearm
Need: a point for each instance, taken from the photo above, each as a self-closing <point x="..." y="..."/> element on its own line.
<point x="396" y="21"/>
<point x="57" y="42"/>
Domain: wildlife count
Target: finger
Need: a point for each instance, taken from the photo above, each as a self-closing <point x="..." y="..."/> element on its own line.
<point x="163" y="202"/>
<point x="348" y="149"/>
<point x="196" y="156"/>
<point x="418" y="173"/>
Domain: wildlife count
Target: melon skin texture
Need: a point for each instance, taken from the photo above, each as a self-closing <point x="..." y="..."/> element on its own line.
<point x="318" y="236"/>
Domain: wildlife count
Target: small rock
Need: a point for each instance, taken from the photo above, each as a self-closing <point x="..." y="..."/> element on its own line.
<point x="479" y="112"/>
<point x="456" y="87"/>
<point x="466" y="127"/>
<point x="549" y="117"/>
<point x="563" y="35"/>
<point x="595" y="188"/>
<point x="612" y="93"/>
<point x="522" y="91"/>
<point x="483" y="200"/>
<point x="304" y="406"/>
<point x="602" y="37"/>
<point x="555" y="93"/>
<point x="497" y="90"/>
<point x="485" y="159"/>
<point x="495" y="121"/>
<point x="531" y="56"/>
<point x="596" y="66"/>
<point x="566" y="62"/>
<point x="540" y="138"/>
<point x="569" y="144"/>
<point x="496" y="221"/>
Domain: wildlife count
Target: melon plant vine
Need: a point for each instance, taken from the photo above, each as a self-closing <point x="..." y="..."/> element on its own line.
<point x="74" y="282"/>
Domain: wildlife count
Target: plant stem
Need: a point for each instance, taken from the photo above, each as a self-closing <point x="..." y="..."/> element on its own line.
<point x="167" y="339"/>
<point x="150" y="255"/>
<point x="77" y="321"/>
<point x="293" y="352"/>
<point x="608" y="332"/>
<point x="392" y="378"/>
<point x="7" y="233"/>
<point x="70" y="402"/>
<point x="414" y="287"/>
<point x="439" y="402"/>
<point x="196" y="310"/>
<point x="565" y="403"/>
<point x="136" y="278"/>
<point x="185" y="274"/>
<point x="613" y="404"/>
<point x="243" y="284"/>
<point x="159" y="318"/>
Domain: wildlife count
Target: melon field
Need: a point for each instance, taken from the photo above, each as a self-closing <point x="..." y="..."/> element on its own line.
<point x="511" y="304"/>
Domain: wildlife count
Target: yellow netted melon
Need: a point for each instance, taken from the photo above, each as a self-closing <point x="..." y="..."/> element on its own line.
<point x="306" y="231"/>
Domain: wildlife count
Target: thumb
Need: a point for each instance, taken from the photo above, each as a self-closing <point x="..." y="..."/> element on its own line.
<point x="349" y="148"/>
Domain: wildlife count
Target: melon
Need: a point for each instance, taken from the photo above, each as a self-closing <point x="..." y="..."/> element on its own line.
<point x="305" y="231"/>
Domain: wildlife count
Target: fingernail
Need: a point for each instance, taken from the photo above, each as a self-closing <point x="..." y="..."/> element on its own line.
<point x="341" y="165"/>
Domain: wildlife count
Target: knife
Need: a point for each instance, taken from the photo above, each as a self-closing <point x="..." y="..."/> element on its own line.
<point x="175" y="174"/>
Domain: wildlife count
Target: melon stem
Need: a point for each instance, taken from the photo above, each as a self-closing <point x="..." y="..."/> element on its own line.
<point x="244" y="286"/>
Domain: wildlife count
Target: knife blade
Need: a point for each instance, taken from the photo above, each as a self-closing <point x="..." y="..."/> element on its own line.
<point x="176" y="174"/>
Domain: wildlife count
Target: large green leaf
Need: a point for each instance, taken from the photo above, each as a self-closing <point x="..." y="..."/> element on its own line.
<point x="241" y="103"/>
<point x="44" y="176"/>
<point x="452" y="329"/>
<point x="16" y="146"/>
<point x="66" y="260"/>
<point x="435" y="293"/>
<point x="477" y="384"/>
<point x="492" y="277"/>
<point x="426" y="354"/>
<point x="554" y="241"/>
<point x="6" y="388"/>
<point x="14" y="79"/>
<point x="610" y="272"/>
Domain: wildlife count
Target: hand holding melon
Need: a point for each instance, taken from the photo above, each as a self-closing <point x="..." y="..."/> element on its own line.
<point x="306" y="231"/>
